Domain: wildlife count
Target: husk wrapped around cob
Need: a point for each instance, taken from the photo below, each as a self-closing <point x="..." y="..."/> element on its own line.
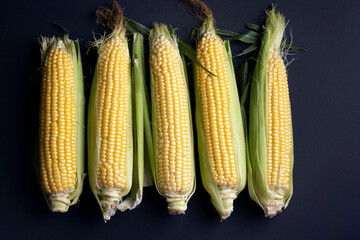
<point x="59" y="157"/>
<point x="270" y="167"/>
<point x="219" y="123"/>
<point x="116" y="119"/>
<point x="173" y="164"/>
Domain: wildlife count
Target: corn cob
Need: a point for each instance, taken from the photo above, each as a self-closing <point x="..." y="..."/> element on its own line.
<point x="270" y="127"/>
<point x="61" y="134"/>
<point x="173" y="168"/>
<point x="218" y="118"/>
<point x="110" y="117"/>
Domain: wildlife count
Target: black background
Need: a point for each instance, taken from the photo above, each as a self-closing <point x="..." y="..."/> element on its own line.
<point x="324" y="86"/>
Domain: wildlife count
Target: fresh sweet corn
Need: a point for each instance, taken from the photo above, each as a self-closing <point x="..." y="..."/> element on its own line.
<point x="270" y="127"/>
<point x="110" y="119"/>
<point x="221" y="139"/>
<point x="173" y="168"/>
<point x="61" y="135"/>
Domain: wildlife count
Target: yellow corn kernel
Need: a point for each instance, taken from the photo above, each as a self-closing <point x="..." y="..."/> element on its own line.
<point x="279" y="141"/>
<point x="57" y="123"/>
<point x="112" y="100"/>
<point x="215" y="100"/>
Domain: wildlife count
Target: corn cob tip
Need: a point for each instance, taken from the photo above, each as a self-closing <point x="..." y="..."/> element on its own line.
<point x="159" y="33"/>
<point x="59" y="203"/>
<point x="176" y="207"/>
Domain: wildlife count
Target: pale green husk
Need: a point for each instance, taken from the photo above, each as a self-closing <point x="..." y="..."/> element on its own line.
<point x="141" y="109"/>
<point x="272" y="202"/>
<point x="177" y="204"/>
<point x="60" y="202"/>
<point x="222" y="199"/>
<point x="109" y="199"/>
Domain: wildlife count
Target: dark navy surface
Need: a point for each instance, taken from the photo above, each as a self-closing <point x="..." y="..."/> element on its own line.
<point x="325" y="98"/>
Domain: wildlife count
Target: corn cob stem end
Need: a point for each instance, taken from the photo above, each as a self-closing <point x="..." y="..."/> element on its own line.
<point x="59" y="202"/>
<point x="109" y="203"/>
<point x="228" y="208"/>
<point x="176" y="207"/>
<point x="272" y="209"/>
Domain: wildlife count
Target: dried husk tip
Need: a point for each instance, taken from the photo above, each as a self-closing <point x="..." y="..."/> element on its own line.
<point x="111" y="17"/>
<point x="204" y="14"/>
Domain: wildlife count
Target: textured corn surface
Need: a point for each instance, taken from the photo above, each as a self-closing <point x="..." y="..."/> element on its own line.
<point x="215" y="100"/>
<point x="172" y="119"/>
<point x="57" y="123"/>
<point x="112" y="102"/>
<point x="279" y="139"/>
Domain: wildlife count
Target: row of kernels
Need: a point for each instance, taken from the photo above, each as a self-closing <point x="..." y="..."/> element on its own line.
<point x="112" y="103"/>
<point x="57" y="123"/>
<point x="279" y="123"/>
<point x="172" y="118"/>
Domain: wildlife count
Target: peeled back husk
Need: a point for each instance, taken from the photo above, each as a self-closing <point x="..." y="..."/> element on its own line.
<point x="61" y="202"/>
<point x="221" y="198"/>
<point x="177" y="204"/>
<point x="141" y="125"/>
<point x="108" y="199"/>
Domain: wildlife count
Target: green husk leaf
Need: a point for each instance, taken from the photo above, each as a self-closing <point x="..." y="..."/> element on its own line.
<point x="193" y="35"/>
<point x="253" y="27"/>
<point x="247" y="50"/>
<point x="66" y="32"/>
<point x="138" y="69"/>
<point x="272" y="201"/>
<point x="189" y="52"/>
<point x="60" y="202"/>
<point x="176" y="204"/>
<point x="139" y="29"/>
<point x="225" y="33"/>
<point x="244" y="70"/>
<point x="79" y="121"/>
<point x="135" y="27"/>
<point x="250" y="37"/>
